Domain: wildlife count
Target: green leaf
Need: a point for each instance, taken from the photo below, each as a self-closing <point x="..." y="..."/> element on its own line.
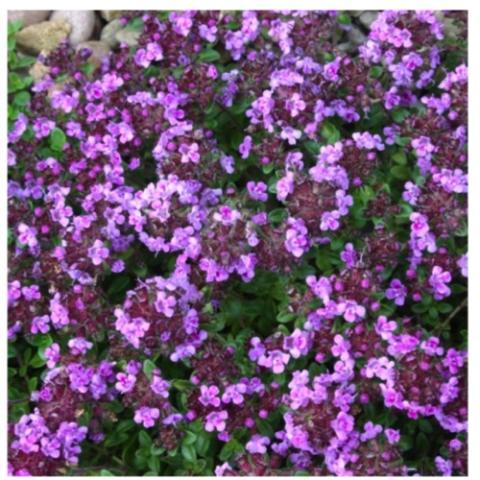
<point x="154" y="464"/>
<point x="376" y="71"/>
<point x="344" y="19"/>
<point x="277" y="215"/>
<point x="202" y="444"/>
<point x="21" y="99"/>
<point x="41" y="340"/>
<point x="330" y="132"/>
<point x="181" y="385"/>
<point x="232" y="447"/>
<point x="57" y="139"/>
<point x="285" y="317"/>
<point x="264" y="427"/>
<point x="144" y="439"/>
<point x="106" y="473"/>
<point x="209" y="55"/>
<point x="37" y="362"/>
<point x="14" y="27"/>
<point x="400" y="157"/>
<point x="188" y="452"/>
<point x="148" y="368"/>
<point x="189" y="438"/>
<point x="401" y="172"/>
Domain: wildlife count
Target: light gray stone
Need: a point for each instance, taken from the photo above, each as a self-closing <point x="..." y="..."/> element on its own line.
<point x="367" y="18"/>
<point x="81" y="21"/>
<point x="109" y="15"/>
<point x="130" y="37"/>
<point x="43" y="36"/>
<point x="28" y="17"/>
<point x="355" y="36"/>
<point x="109" y="31"/>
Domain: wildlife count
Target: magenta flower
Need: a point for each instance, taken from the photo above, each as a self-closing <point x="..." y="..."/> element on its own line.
<point x="257" y="191"/>
<point x="209" y="396"/>
<point x="125" y="382"/>
<point x="146" y="416"/>
<point x="438" y="281"/>
<point x="343" y="425"/>
<point x="216" y="421"/>
<point x="98" y="252"/>
<point x="351" y="310"/>
<point x="397" y="291"/>
<point x="257" y="444"/>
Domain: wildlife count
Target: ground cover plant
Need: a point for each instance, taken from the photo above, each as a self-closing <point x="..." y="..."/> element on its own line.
<point x="239" y="247"/>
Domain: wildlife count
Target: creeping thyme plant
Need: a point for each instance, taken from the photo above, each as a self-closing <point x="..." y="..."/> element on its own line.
<point x="240" y="249"/>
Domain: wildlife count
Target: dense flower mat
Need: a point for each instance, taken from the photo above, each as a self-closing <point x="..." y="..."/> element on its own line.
<point x="238" y="248"/>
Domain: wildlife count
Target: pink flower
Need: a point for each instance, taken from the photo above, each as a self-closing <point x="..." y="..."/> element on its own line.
<point x="216" y="421"/>
<point x="146" y="416"/>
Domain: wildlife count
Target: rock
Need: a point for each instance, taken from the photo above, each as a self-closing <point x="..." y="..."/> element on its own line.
<point x="109" y="15"/>
<point x="355" y="36"/>
<point x="97" y="27"/>
<point x="43" y="36"/>
<point x="109" y="31"/>
<point x="38" y="70"/>
<point x="367" y="18"/>
<point x="130" y="37"/>
<point x="81" y="21"/>
<point x="99" y="51"/>
<point x="28" y="17"/>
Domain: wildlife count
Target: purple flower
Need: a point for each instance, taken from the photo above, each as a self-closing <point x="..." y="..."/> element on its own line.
<point x="79" y="346"/>
<point x="234" y="394"/>
<point x="444" y="466"/>
<point x="27" y="235"/>
<point x="245" y="147"/>
<point x="146" y="416"/>
<point x="42" y="127"/>
<point x="370" y="431"/>
<point x="257" y="191"/>
<point x="419" y="225"/>
<point x="291" y="135"/>
<point x="285" y="186"/>
<point x="164" y="304"/>
<point x="52" y="355"/>
<point x="322" y="288"/>
<point x="189" y="153"/>
<point x="257" y="444"/>
<point x="351" y="310"/>
<point x="257" y="349"/>
<point x="98" y="252"/>
<point x="228" y="163"/>
<point x="40" y="324"/>
<point x="125" y="382"/>
<point x="411" y="193"/>
<point x="275" y="360"/>
<point x="343" y="425"/>
<point x="298" y="343"/>
<point x="297" y="241"/>
<point x="160" y="386"/>
<point x="329" y="220"/>
<point x="393" y="436"/>
<point x="133" y="329"/>
<point x="397" y="291"/>
<point x="438" y="280"/>
<point x="226" y="215"/>
<point x="462" y="263"/>
<point x="209" y="396"/>
<point x="349" y="255"/>
<point x="216" y="421"/>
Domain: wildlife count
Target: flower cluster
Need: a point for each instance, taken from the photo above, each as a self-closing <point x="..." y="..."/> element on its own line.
<point x="239" y="248"/>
